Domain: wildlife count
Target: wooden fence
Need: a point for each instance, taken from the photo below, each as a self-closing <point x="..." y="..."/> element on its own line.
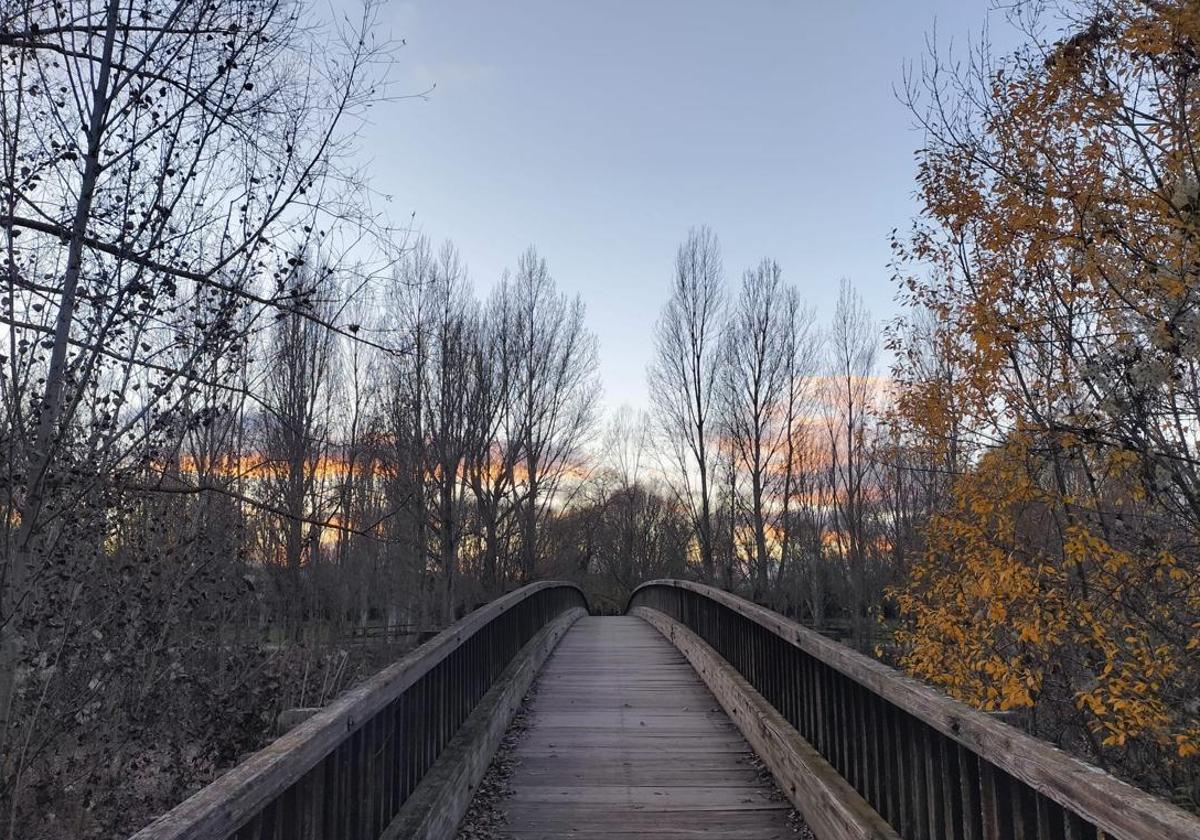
<point x="932" y="767"/>
<point x="345" y="772"/>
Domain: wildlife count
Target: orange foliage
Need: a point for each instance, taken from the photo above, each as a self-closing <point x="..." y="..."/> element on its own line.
<point x="1060" y="256"/>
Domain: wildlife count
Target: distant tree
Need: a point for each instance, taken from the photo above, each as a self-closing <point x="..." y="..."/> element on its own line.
<point x="296" y="436"/>
<point x="495" y="448"/>
<point x="412" y="308"/>
<point x="757" y="389"/>
<point x="361" y="577"/>
<point x="797" y="416"/>
<point x="683" y="380"/>
<point x="850" y="399"/>
<point x="621" y="529"/>
<point x="452" y="390"/>
<point x="556" y="392"/>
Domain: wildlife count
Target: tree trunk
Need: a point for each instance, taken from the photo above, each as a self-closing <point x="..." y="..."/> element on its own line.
<point x="50" y="409"/>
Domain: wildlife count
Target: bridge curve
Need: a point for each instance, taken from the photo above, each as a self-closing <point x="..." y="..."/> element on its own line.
<point x="635" y="715"/>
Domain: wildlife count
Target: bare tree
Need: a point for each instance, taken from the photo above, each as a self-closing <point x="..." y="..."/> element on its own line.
<point x="756" y="388"/>
<point x="622" y="528"/>
<point x="556" y="393"/>
<point x="163" y="164"/>
<point x="683" y="380"/>
<point x="451" y="388"/>
<point x="798" y="410"/>
<point x="361" y="508"/>
<point x="808" y="524"/>
<point x="298" y="401"/>
<point x="413" y="303"/>
<point x="496" y="445"/>
<point x="852" y="345"/>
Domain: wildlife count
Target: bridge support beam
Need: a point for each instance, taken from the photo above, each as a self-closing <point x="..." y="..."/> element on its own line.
<point x="438" y="804"/>
<point x="832" y="808"/>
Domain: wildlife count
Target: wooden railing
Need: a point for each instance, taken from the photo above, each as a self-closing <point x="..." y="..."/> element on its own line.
<point x="345" y="772"/>
<point x="930" y="766"/>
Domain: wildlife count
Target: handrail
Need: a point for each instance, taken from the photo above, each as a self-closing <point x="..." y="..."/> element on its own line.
<point x="347" y="770"/>
<point x="931" y="766"/>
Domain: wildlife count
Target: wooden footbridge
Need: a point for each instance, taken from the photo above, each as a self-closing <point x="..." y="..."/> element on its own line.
<point x="655" y="724"/>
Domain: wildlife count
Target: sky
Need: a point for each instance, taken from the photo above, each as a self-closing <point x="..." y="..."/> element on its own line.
<point x="600" y="132"/>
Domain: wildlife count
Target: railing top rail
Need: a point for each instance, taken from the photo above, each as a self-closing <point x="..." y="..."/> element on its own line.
<point x="252" y="784"/>
<point x="1111" y="804"/>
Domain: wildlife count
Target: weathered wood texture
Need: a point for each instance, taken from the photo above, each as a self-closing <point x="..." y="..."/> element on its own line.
<point x="440" y="800"/>
<point x="932" y="767"/>
<point x="627" y="742"/>
<point x="831" y="807"/>
<point x="345" y="772"/>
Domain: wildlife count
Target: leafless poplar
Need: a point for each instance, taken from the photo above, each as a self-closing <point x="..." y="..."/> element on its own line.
<point x="683" y="380"/>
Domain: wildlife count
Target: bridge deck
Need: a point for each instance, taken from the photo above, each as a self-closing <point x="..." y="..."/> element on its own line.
<point x="627" y="741"/>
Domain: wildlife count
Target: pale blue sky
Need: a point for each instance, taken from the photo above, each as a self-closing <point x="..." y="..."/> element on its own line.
<point x="601" y="131"/>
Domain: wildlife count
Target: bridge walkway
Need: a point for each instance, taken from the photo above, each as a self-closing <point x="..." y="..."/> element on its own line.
<point x="626" y="741"/>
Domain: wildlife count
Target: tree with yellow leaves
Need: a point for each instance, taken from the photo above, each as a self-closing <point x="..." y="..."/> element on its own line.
<point x="1059" y="253"/>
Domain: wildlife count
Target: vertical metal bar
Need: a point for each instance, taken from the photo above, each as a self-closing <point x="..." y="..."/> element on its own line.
<point x="268" y="821"/>
<point x="1077" y="828"/>
<point x="843" y="722"/>
<point x="251" y="830"/>
<point x="354" y="791"/>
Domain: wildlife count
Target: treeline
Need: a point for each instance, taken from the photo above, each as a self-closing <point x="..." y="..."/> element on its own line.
<point x="403" y="486"/>
<point x="768" y="441"/>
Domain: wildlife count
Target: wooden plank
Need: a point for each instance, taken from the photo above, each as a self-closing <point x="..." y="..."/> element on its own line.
<point x="972" y="810"/>
<point x="1049" y="819"/>
<point x="1114" y="806"/>
<point x="934" y="781"/>
<point x="598" y="824"/>
<point x="626" y="741"/>
<point x="1024" y="811"/>
<point x="748" y="796"/>
<point x="905" y="783"/>
<point x="952" y="820"/>
<point x="831" y="807"/>
<point x="653" y="771"/>
<point x="889" y="802"/>
<point x="989" y="799"/>
<point x="875" y="755"/>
